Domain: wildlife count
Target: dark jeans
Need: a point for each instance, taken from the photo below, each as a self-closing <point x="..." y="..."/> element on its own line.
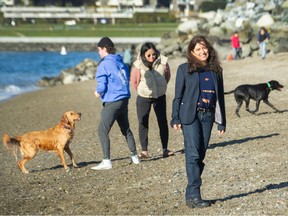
<point x="196" y="139"/>
<point x="111" y="112"/>
<point x="143" y="112"/>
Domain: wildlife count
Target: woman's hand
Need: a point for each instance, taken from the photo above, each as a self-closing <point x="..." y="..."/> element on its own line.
<point x="220" y="132"/>
<point x="177" y="126"/>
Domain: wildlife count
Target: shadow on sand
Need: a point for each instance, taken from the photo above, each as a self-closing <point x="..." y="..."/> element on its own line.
<point x="240" y="141"/>
<point x="266" y="188"/>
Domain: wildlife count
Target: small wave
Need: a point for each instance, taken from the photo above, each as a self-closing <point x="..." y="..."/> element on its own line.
<point x="12" y="90"/>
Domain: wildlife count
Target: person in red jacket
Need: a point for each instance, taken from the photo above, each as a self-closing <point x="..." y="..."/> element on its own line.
<point x="235" y="42"/>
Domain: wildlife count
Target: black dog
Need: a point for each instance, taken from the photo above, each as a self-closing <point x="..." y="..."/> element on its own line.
<point x="256" y="92"/>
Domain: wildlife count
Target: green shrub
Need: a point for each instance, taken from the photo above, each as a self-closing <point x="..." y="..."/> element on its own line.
<point x="212" y="5"/>
<point x="154" y="17"/>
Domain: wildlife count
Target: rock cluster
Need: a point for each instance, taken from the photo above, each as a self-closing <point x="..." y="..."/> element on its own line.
<point x="246" y="17"/>
<point x="83" y="71"/>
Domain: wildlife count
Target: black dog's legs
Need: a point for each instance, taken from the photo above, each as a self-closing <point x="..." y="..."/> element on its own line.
<point x="247" y="106"/>
<point x="239" y="104"/>
<point x="271" y="105"/>
<point x="257" y="106"/>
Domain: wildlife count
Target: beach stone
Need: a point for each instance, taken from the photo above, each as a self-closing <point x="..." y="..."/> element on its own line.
<point x="282" y="46"/>
<point x="83" y="71"/>
<point x="68" y="78"/>
<point x="218" y="19"/>
<point x="266" y="20"/>
<point x="188" y="27"/>
<point x="285" y="4"/>
<point x="223" y="51"/>
<point x="279" y="30"/>
<point x="207" y="15"/>
<point x="246" y="51"/>
<point x="269" y="6"/>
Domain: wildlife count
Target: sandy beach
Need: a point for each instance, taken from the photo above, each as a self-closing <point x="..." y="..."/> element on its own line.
<point x="246" y="168"/>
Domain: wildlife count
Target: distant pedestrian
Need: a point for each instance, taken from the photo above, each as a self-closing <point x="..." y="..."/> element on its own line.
<point x="113" y="87"/>
<point x="262" y="38"/>
<point x="235" y="43"/>
<point x="128" y="56"/>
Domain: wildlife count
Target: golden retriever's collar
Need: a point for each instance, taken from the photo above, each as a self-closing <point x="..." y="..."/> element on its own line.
<point x="67" y="127"/>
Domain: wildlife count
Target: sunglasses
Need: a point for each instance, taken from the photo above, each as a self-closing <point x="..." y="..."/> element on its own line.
<point x="149" y="55"/>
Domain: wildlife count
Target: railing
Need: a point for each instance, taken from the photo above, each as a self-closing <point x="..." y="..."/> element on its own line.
<point x="59" y="12"/>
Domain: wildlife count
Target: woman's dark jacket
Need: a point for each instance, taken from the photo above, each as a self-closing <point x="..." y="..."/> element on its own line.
<point x="187" y="91"/>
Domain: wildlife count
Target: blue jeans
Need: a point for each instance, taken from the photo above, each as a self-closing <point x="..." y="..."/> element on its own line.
<point x="263" y="49"/>
<point x="196" y="140"/>
<point x="235" y="53"/>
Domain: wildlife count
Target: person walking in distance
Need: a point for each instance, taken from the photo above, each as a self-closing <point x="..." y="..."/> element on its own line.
<point x="235" y="43"/>
<point x="197" y="104"/>
<point x="112" y="78"/>
<point x="149" y="77"/>
<point x="262" y="38"/>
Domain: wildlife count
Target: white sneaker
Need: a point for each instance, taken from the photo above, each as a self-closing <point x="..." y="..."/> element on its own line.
<point x="106" y="164"/>
<point x="135" y="159"/>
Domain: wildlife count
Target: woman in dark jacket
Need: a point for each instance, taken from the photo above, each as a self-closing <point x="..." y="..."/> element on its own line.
<point x="198" y="103"/>
<point x="262" y="39"/>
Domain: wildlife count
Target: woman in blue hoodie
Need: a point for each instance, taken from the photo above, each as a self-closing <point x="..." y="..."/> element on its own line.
<point x="112" y="78"/>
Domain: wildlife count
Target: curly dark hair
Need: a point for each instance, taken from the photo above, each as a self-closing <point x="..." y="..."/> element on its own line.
<point x="212" y="63"/>
<point x="145" y="47"/>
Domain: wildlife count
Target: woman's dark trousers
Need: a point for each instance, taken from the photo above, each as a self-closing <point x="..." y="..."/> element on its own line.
<point x="143" y="112"/>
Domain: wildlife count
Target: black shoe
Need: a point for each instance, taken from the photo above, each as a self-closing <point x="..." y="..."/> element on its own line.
<point x="168" y="153"/>
<point x="197" y="203"/>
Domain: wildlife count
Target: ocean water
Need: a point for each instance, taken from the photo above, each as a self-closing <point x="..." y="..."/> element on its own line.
<point x="20" y="71"/>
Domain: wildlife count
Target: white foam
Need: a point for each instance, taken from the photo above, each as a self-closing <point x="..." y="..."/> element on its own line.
<point x="12" y="89"/>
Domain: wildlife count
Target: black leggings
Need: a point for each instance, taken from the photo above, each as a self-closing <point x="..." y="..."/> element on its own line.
<point x="143" y="110"/>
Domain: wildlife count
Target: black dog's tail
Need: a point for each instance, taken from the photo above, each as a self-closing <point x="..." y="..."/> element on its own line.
<point x="11" y="144"/>
<point x="230" y="92"/>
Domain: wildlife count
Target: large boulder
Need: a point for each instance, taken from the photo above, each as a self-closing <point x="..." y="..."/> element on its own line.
<point x="223" y="51"/>
<point x="279" y="30"/>
<point x="188" y="27"/>
<point x="281" y="46"/>
<point x="246" y="51"/>
<point x="265" y="20"/>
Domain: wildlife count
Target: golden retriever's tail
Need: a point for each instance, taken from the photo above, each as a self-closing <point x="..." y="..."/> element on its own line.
<point x="230" y="92"/>
<point x="11" y="144"/>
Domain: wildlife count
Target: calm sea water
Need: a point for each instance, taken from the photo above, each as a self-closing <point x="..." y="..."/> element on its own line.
<point x="20" y="71"/>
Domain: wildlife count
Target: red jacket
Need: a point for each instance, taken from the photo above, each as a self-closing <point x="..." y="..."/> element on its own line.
<point x="235" y="42"/>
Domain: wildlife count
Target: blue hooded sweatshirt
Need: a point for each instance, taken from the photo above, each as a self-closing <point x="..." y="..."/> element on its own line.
<point x="112" y="78"/>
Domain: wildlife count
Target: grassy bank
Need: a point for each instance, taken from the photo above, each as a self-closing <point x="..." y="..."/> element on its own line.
<point x="87" y="30"/>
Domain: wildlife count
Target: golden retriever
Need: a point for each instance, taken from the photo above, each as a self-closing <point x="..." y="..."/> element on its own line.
<point x="55" y="139"/>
